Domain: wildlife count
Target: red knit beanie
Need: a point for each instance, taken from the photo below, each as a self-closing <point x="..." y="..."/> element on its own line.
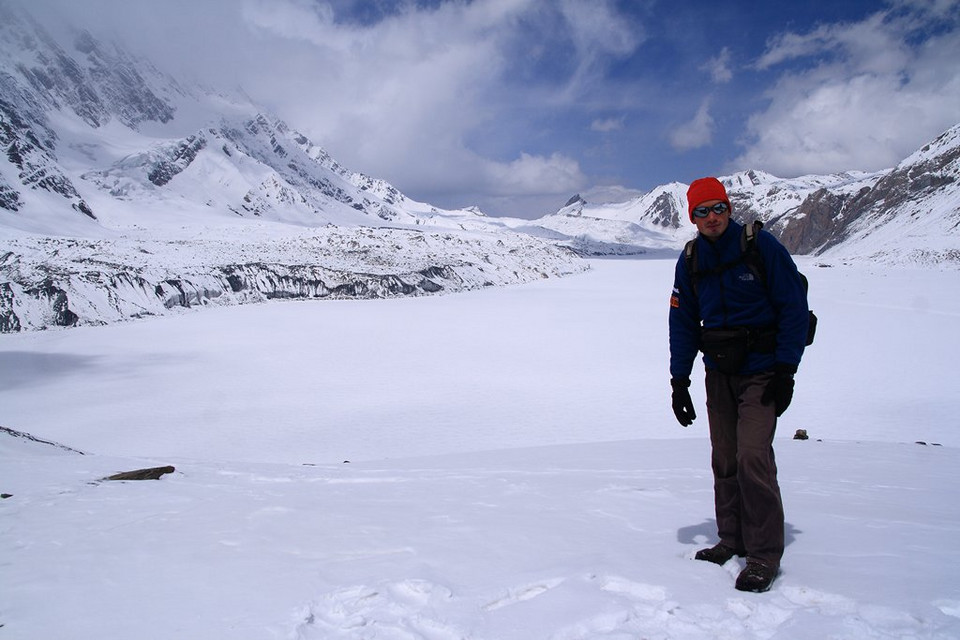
<point x="702" y="190"/>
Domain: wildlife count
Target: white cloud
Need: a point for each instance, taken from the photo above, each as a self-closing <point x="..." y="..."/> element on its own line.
<point x="535" y="175"/>
<point x="696" y="133"/>
<point x="606" y="125"/>
<point x="610" y="193"/>
<point x="858" y="95"/>
<point x="294" y="19"/>
<point x="396" y="98"/>
<point x="719" y="67"/>
<point x="401" y="97"/>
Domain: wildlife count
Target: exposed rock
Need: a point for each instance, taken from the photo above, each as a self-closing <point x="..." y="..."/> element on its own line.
<point x="9" y="322"/>
<point x="575" y="200"/>
<point x="153" y="473"/>
<point x="815" y="222"/>
<point x="664" y="211"/>
<point x="29" y="148"/>
<point x="9" y="197"/>
<point x="828" y="217"/>
<point x="179" y="158"/>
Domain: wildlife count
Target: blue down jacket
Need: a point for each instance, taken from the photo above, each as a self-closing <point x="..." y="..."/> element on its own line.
<point x="737" y="298"/>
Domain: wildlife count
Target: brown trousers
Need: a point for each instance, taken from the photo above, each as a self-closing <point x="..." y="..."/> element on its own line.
<point x="746" y="493"/>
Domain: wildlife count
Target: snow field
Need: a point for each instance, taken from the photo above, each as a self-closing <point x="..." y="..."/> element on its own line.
<point x="571" y="541"/>
<point x="515" y="470"/>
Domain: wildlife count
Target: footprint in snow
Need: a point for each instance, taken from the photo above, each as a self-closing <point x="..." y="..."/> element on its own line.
<point x="392" y="610"/>
<point x="521" y="594"/>
<point x="635" y="590"/>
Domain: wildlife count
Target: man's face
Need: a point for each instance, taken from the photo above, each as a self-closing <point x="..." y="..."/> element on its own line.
<point x="715" y="223"/>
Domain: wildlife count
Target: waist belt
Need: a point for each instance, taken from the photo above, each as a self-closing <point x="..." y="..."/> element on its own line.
<point x="728" y="347"/>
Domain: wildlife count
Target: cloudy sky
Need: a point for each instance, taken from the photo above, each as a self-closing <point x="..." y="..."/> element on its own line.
<point x="516" y="105"/>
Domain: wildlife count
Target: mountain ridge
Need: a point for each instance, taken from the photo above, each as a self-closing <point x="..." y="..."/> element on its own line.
<point x="854" y="214"/>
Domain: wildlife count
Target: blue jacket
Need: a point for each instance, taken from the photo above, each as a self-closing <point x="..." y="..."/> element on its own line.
<point x="737" y="298"/>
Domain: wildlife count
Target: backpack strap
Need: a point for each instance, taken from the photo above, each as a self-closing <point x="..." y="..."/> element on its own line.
<point x="690" y="256"/>
<point x="749" y="234"/>
<point x="749" y="252"/>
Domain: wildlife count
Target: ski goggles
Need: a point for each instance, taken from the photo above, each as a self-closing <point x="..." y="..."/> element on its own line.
<point x="720" y="208"/>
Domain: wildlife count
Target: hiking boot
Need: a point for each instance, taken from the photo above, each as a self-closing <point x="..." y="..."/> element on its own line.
<point x="717" y="554"/>
<point x="756" y="577"/>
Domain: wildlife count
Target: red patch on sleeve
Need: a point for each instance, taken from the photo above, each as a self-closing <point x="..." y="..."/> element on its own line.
<point x="675" y="301"/>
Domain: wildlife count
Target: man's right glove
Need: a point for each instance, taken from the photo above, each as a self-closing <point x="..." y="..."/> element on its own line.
<point x="682" y="403"/>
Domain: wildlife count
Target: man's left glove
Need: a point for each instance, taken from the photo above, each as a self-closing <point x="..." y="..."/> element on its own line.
<point x="779" y="390"/>
<point x="682" y="404"/>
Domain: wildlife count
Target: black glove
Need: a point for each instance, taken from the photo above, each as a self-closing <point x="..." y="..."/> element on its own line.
<point x="682" y="404"/>
<point x="779" y="390"/>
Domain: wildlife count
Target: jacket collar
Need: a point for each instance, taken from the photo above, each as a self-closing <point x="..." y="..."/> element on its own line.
<point x="730" y="234"/>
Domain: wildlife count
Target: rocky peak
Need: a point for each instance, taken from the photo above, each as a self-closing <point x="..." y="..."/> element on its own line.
<point x="574" y="206"/>
<point x="665" y="211"/>
<point x="94" y="81"/>
<point x="32" y="158"/>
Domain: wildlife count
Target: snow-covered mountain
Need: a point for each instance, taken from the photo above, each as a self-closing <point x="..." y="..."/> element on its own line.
<point x="647" y="223"/>
<point x="908" y="214"/>
<point x="88" y="118"/>
<point x="124" y="193"/>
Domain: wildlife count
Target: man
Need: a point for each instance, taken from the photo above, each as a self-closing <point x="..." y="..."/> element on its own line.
<point x="751" y="326"/>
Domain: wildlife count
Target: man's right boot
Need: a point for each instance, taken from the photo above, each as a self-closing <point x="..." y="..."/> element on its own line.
<point x="718" y="554"/>
<point x="757" y="577"/>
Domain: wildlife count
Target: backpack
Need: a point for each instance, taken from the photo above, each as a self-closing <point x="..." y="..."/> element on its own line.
<point x="749" y="255"/>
